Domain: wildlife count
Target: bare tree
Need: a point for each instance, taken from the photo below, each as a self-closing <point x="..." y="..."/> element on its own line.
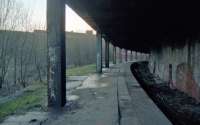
<point x="12" y="17"/>
<point x="7" y="16"/>
<point x="40" y="54"/>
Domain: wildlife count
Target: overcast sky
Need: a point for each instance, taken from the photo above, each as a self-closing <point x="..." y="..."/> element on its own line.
<point x="73" y="21"/>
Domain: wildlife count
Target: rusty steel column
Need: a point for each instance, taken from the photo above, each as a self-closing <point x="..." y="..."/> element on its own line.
<point x="56" y="53"/>
<point x="114" y="55"/>
<point x="99" y="53"/>
<point x="136" y="56"/>
<point x="131" y="58"/>
<point x="170" y="76"/>
<point x="107" y="54"/>
<point x="120" y="55"/>
<point x="126" y="56"/>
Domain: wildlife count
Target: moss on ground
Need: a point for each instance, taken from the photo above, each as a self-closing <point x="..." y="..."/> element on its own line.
<point x="35" y="95"/>
<point x="82" y="71"/>
<point x="31" y="98"/>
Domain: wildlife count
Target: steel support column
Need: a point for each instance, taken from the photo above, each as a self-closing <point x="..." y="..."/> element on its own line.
<point x="136" y="55"/>
<point x="114" y="55"/>
<point x="120" y="55"/>
<point x="107" y="54"/>
<point x="56" y="53"/>
<point x="131" y="58"/>
<point x="99" y="53"/>
<point x="126" y="56"/>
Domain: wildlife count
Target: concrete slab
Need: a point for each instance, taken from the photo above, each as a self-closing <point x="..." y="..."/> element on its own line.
<point x="73" y="84"/>
<point x="143" y="110"/>
<point x="97" y="103"/>
<point x="101" y="100"/>
<point x="31" y="118"/>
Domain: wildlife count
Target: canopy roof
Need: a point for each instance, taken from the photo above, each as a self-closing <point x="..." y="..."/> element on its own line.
<point x="141" y="25"/>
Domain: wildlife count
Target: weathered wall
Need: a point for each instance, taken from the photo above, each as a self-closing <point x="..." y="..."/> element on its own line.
<point x="23" y="55"/>
<point x="184" y="61"/>
<point x="80" y="47"/>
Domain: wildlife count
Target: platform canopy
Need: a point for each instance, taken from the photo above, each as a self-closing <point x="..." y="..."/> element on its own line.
<point x="141" y="24"/>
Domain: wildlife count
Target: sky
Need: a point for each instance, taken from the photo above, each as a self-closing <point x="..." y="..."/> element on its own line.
<point x="38" y="10"/>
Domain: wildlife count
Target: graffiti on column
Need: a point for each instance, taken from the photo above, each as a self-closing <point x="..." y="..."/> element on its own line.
<point x="52" y="65"/>
<point x="185" y="81"/>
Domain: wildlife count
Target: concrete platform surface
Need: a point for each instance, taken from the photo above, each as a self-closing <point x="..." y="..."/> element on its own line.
<point x="135" y="106"/>
<point x="100" y="100"/>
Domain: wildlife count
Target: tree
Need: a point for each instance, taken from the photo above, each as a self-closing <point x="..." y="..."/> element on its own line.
<point x="8" y="21"/>
<point x="16" y="49"/>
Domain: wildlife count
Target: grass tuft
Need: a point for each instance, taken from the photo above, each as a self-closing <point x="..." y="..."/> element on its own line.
<point x="34" y="95"/>
<point x="28" y="100"/>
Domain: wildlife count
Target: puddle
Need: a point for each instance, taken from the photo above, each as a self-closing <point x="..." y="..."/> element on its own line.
<point x="106" y="70"/>
<point x="76" y="78"/>
<point x="73" y="84"/>
<point x="72" y="97"/>
<point x="74" y="81"/>
<point x="92" y="82"/>
<point x="105" y="75"/>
